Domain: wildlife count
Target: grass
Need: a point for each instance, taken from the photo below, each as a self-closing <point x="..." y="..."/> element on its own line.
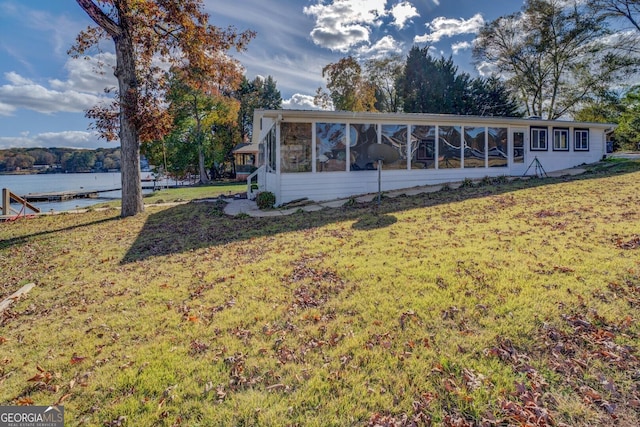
<point x="493" y="304"/>
<point x="182" y="194"/>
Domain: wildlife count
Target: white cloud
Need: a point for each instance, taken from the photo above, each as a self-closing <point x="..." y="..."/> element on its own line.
<point x="66" y="139"/>
<point x="91" y="74"/>
<point x="457" y="47"/>
<point x="448" y="27"/>
<point x="486" y="69"/>
<point x="31" y="96"/>
<point x="299" y="102"/>
<point x="82" y="90"/>
<point x="6" y="109"/>
<point x="402" y="13"/>
<point x="386" y="46"/>
<point x="343" y="24"/>
<point x="16" y="79"/>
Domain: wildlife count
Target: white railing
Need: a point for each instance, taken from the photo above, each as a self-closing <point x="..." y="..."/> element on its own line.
<point x="252" y="192"/>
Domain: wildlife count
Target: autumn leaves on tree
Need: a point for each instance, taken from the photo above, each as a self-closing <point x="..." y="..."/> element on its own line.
<point x="153" y="40"/>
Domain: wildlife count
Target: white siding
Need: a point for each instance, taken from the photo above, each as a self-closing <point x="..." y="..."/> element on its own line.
<point x="321" y="186"/>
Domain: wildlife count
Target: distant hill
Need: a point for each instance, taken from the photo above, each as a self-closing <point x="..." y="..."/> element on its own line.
<point x="51" y="160"/>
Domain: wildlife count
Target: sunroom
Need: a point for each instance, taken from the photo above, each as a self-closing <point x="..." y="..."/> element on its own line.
<point x="325" y="155"/>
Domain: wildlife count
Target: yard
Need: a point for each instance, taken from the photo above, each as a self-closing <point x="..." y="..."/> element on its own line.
<point x="499" y="303"/>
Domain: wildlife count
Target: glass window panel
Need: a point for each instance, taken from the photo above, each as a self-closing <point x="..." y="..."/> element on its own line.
<point x="474" y="147"/>
<point x="449" y="143"/>
<point x="561" y="139"/>
<point x="331" y="147"/>
<point x="518" y="147"/>
<point x="581" y="140"/>
<point x="498" y="147"/>
<point x="362" y="136"/>
<point x="395" y="136"/>
<point x="539" y="139"/>
<point x="295" y="147"/>
<point x="423" y="147"/>
<point x="270" y="142"/>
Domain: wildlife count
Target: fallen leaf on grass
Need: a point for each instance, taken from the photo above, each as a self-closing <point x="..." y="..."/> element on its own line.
<point x="77" y="359"/>
<point x="25" y="401"/>
<point x="62" y="399"/>
<point x="634" y="243"/>
<point x="44" y="377"/>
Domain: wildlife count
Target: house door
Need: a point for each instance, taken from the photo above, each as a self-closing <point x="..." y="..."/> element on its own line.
<point x="518" y="155"/>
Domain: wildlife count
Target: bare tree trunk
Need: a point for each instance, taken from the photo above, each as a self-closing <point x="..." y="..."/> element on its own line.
<point x="204" y="178"/>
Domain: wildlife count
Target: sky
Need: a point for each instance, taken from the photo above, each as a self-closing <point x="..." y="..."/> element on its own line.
<point x="44" y="92"/>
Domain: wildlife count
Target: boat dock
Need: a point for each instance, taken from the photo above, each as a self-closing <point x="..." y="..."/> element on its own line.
<point x="59" y="196"/>
<point x="64" y="195"/>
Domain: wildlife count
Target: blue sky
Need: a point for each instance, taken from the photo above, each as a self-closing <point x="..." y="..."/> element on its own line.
<point x="44" y="93"/>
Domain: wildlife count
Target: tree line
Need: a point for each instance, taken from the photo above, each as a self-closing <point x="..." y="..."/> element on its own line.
<point x="419" y="83"/>
<point x="184" y="101"/>
<point x="52" y="160"/>
<point x="553" y="59"/>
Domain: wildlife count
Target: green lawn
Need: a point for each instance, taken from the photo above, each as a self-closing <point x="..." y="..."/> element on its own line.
<point x="494" y="304"/>
<point x="181" y="194"/>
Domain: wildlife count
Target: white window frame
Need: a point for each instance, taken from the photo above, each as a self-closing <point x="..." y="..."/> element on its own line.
<point x="557" y="138"/>
<point x="576" y="139"/>
<point x="535" y="143"/>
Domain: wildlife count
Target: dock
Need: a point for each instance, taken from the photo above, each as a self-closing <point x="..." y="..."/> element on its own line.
<point x="59" y="196"/>
<point x="64" y="195"/>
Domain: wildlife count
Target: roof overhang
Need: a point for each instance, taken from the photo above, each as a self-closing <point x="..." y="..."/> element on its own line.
<point x="420" y="118"/>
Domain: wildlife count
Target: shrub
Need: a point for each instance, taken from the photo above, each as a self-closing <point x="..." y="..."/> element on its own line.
<point x="502" y="179"/>
<point x="265" y="200"/>
<point x="467" y="183"/>
<point x="486" y="181"/>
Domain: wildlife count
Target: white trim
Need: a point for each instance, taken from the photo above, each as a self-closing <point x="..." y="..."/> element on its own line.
<point x="325" y="185"/>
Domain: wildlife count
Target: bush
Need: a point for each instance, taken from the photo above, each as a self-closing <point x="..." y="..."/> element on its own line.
<point x="467" y="183"/>
<point x="265" y="200"/>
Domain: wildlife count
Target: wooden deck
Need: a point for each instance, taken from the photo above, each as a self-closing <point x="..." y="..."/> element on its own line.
<point x="82" y="194"/>
<point x="63" y="195"/>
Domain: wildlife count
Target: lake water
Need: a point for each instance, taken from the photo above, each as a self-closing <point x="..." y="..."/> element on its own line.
<point x="45" y="183"/>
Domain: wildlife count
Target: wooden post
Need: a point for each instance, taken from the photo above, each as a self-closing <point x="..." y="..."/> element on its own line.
<point x="15" y="296"/>
<point x="6" y="201"/>
<point x="7" y="196"/>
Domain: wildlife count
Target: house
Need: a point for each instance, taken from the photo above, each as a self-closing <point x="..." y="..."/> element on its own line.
<point x="324" y="155"/>
<point x="246" y="159"/>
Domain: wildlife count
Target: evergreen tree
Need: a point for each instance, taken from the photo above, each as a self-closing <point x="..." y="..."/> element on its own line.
<point x="258" y="93"/>
<point x="430" y="85"/>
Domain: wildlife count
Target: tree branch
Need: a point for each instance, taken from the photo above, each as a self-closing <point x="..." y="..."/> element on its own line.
<point x="100" y="18"/>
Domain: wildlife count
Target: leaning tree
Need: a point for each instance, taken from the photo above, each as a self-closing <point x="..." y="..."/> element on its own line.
<point x="150" y="36"/>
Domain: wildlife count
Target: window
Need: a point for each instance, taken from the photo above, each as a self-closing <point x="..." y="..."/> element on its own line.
<point x="270" y="143"/>
<point x="538" y="139"/>
<point x="474" y="147"/>
<point x="331" y="147"/>
<point x="561" y="140"/>
<point x="498" y="147"/>
<point x="423" y="147"/>
<point x="518" y="147"/>
<point x="362" y="136"/>
<point x="295" y="147"/>
<point x="449" y="143"/>
<point x="395" y="136"/>
<point x="581" y="140"/>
